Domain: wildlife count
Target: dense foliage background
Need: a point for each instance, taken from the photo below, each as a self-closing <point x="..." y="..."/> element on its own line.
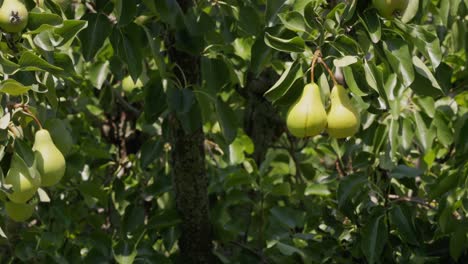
<point x="181" y="154"/>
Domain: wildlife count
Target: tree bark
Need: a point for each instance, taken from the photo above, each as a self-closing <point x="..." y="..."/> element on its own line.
<point x="189" y="173"/>
<point x="262" y="122"/>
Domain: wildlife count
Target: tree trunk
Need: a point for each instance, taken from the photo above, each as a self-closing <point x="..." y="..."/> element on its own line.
<point x="261" y="121"/>
<point x="189" y="173"/>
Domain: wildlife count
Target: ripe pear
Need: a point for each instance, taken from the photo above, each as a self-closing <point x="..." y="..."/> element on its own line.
<point x="19" y="212"/>
<point x="307" y="116"/>
<point x="24" y="185"/>
<point x="343" y="117"/>
<point x="49" y="160"/>
<point x="387" y="8"/>
<point x="13" y="16"/>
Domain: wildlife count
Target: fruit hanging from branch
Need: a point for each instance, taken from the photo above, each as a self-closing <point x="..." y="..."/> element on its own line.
<point x="19" y="212"/>
<point x="307" y="116"/>
<point x="13" y="16"/>
<point x="49" y="160"/>
<point x="405" y="9"/>
<point x="343" y="117"/>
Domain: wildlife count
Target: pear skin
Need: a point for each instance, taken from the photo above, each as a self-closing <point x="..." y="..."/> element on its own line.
<point x="49" y="160"/>
<point x="307" y="116"/>
<point x="387" y="8"/>
<point x="13" y="16"/>
<point x="19" y="212"/>
<point x="343" y="117"/>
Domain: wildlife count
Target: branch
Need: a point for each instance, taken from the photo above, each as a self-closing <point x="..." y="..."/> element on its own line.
<point x="416" y="200"/>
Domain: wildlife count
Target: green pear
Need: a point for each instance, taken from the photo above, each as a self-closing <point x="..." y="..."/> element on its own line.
<point x="13" y="16"/>
<point x="307" y="116"/>
<point x="387" y="8"/>
<point x="343" y="117"/>
<point x="19" y="212"/>
<point x="61" y="136"/>
<point x="24" y="185"/>
<point x="49" y="160"/>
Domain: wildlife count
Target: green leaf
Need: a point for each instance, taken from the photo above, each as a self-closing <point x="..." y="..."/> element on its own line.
<point x="293" y="21"/>
<point x="283" y="189"/>
<point x="399" y="56"/>
<point x="155" y="100"/>
<point x="214" y="72"/>
<point x="424" y="135"/>
<point x="98" y="73"/>
<point x="70" y="30"/>
<point x="445" y="182"/>
<point x="38" y="22"/>
<point x="31" y="62"/>
<point x="317" y="189"/>
<point x="403" y="171"/>
<point x="351" y="81"/>
<point x="7" y="66"/>
<point x="349" y="187"/>
<point x="345" y="61"/>
<point x="93" y="37"/>
<point x="426" y="40"/>
<point x="288" y="216"/>
<point x="250" y="20"/>
<point x="402" y="219"/>
<point x="375" y="80"/>
<point x="444" y="132"/>
<point x="291" y="73"/>
<point x="124" y="252"/>
<point x="150" y="151"/>
<point x="372" y="24"/>
<point x="425" y="83"/>
<point x="13" y="87"/>
<point x="458" y="242"/>
<point x="237" y="149"/>
<point x="227" y="120"/>
<point x="125" y="11"/>
<point x="374" y="238"/>
<point x="126" y="41"/>
<point x="289" y="250"/>
<point x="295" y="44"/>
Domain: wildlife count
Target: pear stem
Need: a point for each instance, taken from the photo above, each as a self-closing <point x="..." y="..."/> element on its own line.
<point x="317" y="55"/>
<point x="332" y="76"/>
<point x="28" y="113"/>
<point x="25" y="110"/>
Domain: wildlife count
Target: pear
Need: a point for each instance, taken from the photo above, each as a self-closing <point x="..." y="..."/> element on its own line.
<point x="13" y="16"/>
<point x="343" y="117"/>
<point x="307" y="116"/>
<point x="49" y="160"/>
<point x="19" y="212"/>
<point x="387" y="8"/>
<point x="24" y="185"/>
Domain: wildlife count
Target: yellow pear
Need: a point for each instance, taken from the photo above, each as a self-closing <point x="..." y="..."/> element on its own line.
<point x="49" y="160"/>
<point x="19" y="212"/>
<point x="24" y="185"/>
<point x="307" y="116"/>
<point x="343" y="117"/>
<point x="13" y="16"/>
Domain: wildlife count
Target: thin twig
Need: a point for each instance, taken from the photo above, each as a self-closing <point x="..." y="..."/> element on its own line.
<point x="332" y="76"/>
<point x="317" y="55"/>
<point x="339" y="169"/>
<point x="416" y="200"/>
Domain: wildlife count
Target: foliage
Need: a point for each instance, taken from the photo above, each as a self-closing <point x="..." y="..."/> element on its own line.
<point x="397" y="191"/>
